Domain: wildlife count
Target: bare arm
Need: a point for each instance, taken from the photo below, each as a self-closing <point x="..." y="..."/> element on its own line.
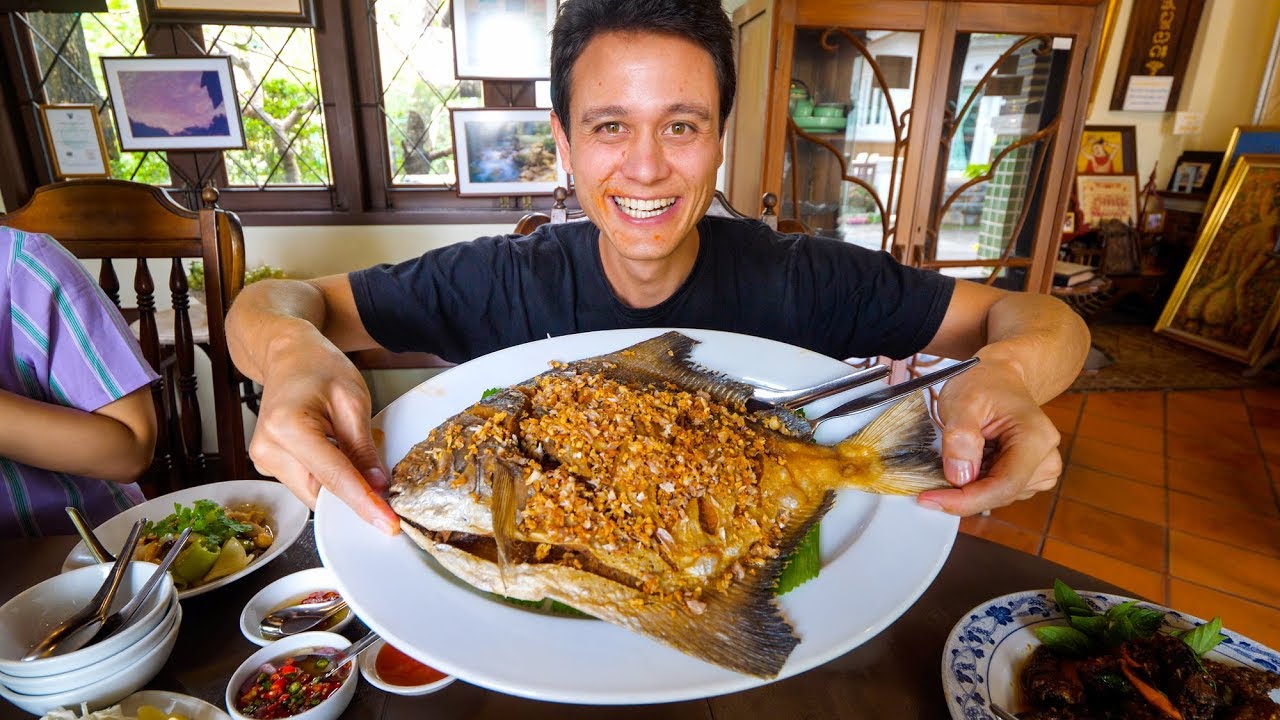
<point x="313" y="424"/>
<point x="114" y="443"/>
<point x="1032" y="347"/>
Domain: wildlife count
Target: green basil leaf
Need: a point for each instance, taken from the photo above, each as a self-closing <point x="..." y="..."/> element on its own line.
<point x="804" y="563"/>
<point x="1204" y="637"/>
<point x="490" y="392"/>
<point x="1068" y="601"/>
<point x="1095" y="626"/>
<point x="1146" y="622"/>
<point x="1065" y="639"/>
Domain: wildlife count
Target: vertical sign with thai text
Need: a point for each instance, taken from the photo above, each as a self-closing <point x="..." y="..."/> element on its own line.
<point x="1156" y="50"/>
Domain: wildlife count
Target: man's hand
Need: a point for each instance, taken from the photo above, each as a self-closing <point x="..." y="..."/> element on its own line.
<point x="990" y="403"/>
<point x="313" y="431"/>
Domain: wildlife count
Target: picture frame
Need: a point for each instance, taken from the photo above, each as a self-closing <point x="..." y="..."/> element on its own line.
<point x="77" y="147"/>
<point x="1227" y="300"/>
<point x="1245" y="139"/>
<point x="1104" y="197"/>
<point x="163" y="103"/>
<point x="1108" y="150"/>
<point x="292" y="13"/>
<point x="502" y="39"/>
<point x="1069" y="223"/>
<point x="505" y="151"/>
<point x="1153" y="222"/>
<point x="1196" y="170"/>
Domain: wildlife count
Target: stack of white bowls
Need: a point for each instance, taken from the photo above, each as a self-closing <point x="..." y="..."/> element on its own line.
<point x="100" y="674"/>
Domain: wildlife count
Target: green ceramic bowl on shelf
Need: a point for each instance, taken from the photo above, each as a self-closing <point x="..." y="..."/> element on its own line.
<point x="820" y="124"/>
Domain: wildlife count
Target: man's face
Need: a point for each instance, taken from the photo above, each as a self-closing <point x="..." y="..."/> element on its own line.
<point x="643" y="141"/>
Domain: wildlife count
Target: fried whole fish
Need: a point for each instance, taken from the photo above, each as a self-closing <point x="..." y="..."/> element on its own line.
<point x="635" y="487"/>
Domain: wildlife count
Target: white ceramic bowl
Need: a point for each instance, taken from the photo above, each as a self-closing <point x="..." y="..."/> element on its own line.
<point x="369" y="669"/>
<point x="108" y="690"/>
<point x="286" y="590"/>
<point x="27" y="618"/>
<point x="330" y="709"/>
<point x="171" y="703"/>
<point x="72" y="679"/>
<point x="287" y="516"/>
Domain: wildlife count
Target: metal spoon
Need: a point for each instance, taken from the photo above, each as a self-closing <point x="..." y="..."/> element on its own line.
<point x="297" y="618"/>
<point x="322" y="665"/>
<point x="99" y="553"/>
<point x="121" y="618"/>
<point x="77" y="627"/>
<point x="792" y="399"/>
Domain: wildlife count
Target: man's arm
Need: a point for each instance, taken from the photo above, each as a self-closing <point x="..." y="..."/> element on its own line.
<point x="313" y="424"/>
<point x="1032" y="348"/>
<point x="115" y="442"/>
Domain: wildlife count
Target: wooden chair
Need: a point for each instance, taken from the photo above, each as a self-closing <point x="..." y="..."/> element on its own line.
<point x="116" y="220"/>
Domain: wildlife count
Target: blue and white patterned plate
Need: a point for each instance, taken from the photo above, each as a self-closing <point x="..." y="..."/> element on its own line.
<point x="988" y="647"/>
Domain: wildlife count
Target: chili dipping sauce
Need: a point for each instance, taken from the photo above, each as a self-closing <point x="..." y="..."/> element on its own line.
<point x="396" y="668"/>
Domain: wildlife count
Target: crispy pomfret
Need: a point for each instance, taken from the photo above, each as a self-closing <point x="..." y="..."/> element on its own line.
<point x="635" y="487"/>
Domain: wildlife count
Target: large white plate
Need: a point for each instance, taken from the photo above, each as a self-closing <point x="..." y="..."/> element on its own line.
<point x="286" y="513"/>
<point x="988" y="647"/>
<point x="879" y="554"/>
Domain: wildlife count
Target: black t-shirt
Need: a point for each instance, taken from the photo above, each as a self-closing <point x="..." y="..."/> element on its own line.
<point x="469" y="299"/>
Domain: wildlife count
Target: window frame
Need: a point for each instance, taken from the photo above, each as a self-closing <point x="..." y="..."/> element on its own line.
<point x="360" y="190"/>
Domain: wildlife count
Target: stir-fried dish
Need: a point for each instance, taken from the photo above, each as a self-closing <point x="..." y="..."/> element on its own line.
<point x="1121" y="665"/>
<point x="223" y="541"/>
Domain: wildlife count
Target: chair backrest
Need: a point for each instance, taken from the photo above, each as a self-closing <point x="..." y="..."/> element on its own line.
<point x="116" y="220"/>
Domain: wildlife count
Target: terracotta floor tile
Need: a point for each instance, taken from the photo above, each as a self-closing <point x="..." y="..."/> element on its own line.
<point x="1225" y="523"/>
<point x="1064" y="444"/>
<point x="1119" y="495"/>
<point x="1121" y="432"/>
<point x="1063" y="419"/>
<point x="1118" y="460"/>
<point x="1251" y="619"/>
<point x="1206" y="418"/>
<point x="1030" y="514"/>
<point x="1141" y="581"/>
<point x="1229" y="396"/>
<point x="1234" y="447"/>
<point x="1001" y="532"/>
<point x="1119" y="536"/>
<point x="1269" y="439"/>
<point x="1143" y="408"/>
<point x="1067" y="401"/>
<point x="1225" y="567"/>
<point x="1265" y="417"/>
<point x="1262" y="397"/>
<point x="1231" y="486"/>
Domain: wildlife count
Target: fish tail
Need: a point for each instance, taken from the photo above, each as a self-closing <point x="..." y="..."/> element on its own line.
<point x="902" y="440"/>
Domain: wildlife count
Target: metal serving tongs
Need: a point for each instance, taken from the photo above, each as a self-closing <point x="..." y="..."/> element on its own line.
<point x="91" y="617"/>
<point x="893" y="392"/>
<point x="794" y="399"/>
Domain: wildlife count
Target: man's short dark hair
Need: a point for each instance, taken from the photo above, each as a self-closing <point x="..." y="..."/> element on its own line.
<point x="702" y="22"/>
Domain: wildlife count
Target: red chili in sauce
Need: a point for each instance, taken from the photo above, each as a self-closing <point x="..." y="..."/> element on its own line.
<point x="285" y="692"/>
<point x="397" y="668"/>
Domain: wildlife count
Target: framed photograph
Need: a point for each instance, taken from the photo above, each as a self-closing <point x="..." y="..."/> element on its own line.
<point x="76" y="145"/>
<point x="1153" y="222"/>
<point x="1069" y="223"/>
<point x="1108" y="150"/>
<point x="502" y="39"/>
<point x="1107" y="197"/>
<point x="499" y="151"/>
<point x="1195" y="169"/>
<point x="174" y="103"/>
<point x="1228" y="298"/>
<point x="1245" y="140"/>
<point x="297" y="13"/>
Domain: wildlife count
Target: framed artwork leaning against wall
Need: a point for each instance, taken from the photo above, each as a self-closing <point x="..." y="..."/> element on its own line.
<point x="1228" y="298"/>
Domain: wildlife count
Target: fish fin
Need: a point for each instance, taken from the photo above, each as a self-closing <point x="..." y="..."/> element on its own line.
<point x="902" y="437"/>
<point x="504" y="485"/>
<point x="740" y="629"/>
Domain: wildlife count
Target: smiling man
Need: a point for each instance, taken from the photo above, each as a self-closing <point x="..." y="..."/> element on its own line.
<point x="641" y="92"/>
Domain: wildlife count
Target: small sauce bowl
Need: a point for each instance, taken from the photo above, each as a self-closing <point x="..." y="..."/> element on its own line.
<point x="330" y="709"/>
<point x="369" y="669"/>
<point x="289" y="590"/>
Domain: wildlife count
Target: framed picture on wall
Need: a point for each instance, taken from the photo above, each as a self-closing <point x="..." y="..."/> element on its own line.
<point x="1195" y="172"/>
<point x="174" y="103"/>
<point x="298" y="13"/>
<point x="501" y="151"/>
<point x="502" y="39"/>
<point x="1228" y="298"/>
<point x="76" y="144"/>
<point x="1108" y="150"/>
<point x="1107" y="197"/>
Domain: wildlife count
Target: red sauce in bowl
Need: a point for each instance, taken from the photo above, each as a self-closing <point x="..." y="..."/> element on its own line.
<point x="397" y="668"/>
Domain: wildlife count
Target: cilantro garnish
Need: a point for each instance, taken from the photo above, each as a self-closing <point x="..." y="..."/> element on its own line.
<point x="206" y="518"/>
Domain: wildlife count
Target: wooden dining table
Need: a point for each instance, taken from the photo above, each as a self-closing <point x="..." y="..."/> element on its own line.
<point x="894" y="675"/>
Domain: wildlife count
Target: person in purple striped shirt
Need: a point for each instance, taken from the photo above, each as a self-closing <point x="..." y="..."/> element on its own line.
<point x="77" y="424"/>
